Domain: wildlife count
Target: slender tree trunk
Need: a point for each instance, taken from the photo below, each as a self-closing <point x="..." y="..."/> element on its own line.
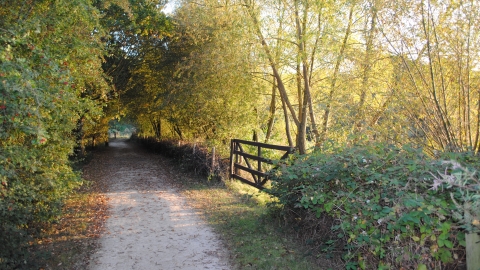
<point x="313" y="121"/>
<point x="156" y="126"/>
<point x="287" y="124"/>
<point x="440" y="113"/>
<point x="299" y="87"/>
<point x="178" y="131"/>
<point x="302" y="99"/>
<point x="286" y="104"/>
<point x="307" y="73"/>
<point x="328" y="106"/>
<point x="472" y="143"/>
<point x="477" y="136"/>
<point x="271" y="119"/>
<point x="367" y="66"/>
<point x="276" y="74"/>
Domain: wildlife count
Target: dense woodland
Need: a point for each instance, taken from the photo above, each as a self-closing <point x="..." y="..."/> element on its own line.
<point x="380" y="98"/>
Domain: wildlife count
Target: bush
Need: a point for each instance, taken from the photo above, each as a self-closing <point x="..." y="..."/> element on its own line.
<point x="387" y="207"/>
<point x="46" y="87"/>
<point x="192" y="157"/>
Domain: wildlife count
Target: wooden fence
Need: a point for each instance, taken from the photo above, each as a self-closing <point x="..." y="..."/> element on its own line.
<point x="241" y="161"/>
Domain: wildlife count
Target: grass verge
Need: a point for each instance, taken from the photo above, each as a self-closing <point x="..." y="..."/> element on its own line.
<point x="255" y="238"/>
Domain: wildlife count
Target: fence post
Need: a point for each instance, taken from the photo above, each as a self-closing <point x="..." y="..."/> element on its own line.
<point x="259" y="152"/>
<point x="231" y="157"/>
<point x="472" y="240"/>
<point x="237" y="159"/>
<point x="213" y="159"/>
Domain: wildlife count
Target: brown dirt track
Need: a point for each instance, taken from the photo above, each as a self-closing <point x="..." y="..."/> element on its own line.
<point x="150" y="226"/>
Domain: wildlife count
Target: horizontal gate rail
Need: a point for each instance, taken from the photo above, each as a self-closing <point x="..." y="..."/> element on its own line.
<point x="237" y="154"/>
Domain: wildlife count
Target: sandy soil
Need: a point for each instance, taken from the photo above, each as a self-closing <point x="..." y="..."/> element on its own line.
<point x="150" y="226"/>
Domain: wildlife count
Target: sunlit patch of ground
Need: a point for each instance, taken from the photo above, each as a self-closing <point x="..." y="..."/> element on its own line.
<point x="69" y="243"/>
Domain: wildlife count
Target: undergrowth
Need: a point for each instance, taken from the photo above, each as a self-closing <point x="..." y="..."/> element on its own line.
<point x="380" y="206"/>
<point x="191" y="157"/>
<point x="66" y="241"/>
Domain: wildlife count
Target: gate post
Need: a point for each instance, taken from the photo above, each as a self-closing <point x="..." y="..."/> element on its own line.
<point x="472" y="240"/>
<point x="213" y="160"/>
<point x="231" y="158"/>
<point x="259" y="153"/>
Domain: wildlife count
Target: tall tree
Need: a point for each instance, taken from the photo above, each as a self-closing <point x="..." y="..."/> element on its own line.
<point x="305" y="26"/>
<point x="198" y="79"/>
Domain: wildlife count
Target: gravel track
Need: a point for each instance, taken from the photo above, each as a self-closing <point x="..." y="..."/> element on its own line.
<point x="150" y="226"/>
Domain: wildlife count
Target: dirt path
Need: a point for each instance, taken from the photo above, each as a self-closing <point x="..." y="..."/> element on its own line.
<point x="150" y="226"/>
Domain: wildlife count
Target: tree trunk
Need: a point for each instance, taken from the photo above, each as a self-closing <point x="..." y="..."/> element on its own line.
<point x="79" y="149"/>
<point x="157" y="127"/>
<point x="178" y="131"/>
<point x="271" y="119"/>
<point x="440" y="113"/>
<point x="303" y="98"/>
<point x="287" y="124"/>
<point x="276" y="74"/>
<point x="326" y="115"/>
<point x="366" y="66"/>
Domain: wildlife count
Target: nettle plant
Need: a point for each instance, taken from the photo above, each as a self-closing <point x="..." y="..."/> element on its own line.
<point x="392" y="206"/>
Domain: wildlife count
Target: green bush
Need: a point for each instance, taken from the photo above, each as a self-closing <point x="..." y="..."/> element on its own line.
<point x="46" y="87"/>
<point x="35" y="143"/>
<point x="392" y="206"/>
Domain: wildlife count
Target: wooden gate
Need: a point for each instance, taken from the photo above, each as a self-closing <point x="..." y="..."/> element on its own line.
<point x="253" y="162"/>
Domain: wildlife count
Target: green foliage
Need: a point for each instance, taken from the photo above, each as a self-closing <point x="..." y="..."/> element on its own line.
<point x="50" y="77"/>
<point x="382" y="199"/>
<point x="136" y="34"/>
<point x="194" y="83"/>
